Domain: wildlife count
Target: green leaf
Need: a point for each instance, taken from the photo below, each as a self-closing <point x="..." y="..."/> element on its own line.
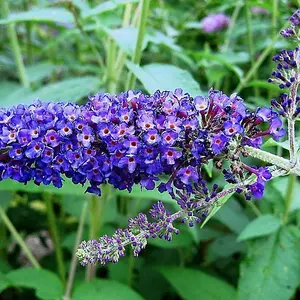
<point x="46" y="284"/>
<point x="228" y="60"/>
<point x="257" y="27"/>
<point x="40" y="71"/>
<point x="194" y="284"/>
<point x="4" y="266"/>
<point x="223" y="246"/>
<point x="164" y="77"/>
<point x="68" y="188"/>
<point x="281" y="184"/>
<point x="104" y="7"/>
<point x="207" y="234"/>
<point x="72" y="189"/>
<point x="54" y="14"/>
<point x="271" y="269"/>
<point x="261" y="226"/>
<point x="81" y="4"/>
<point x="209" y="168"/>
<point x="6" y="197"/>
<point x="68" y="90"/>
<point x="106" y="289"/>
<point x="126" y="38"/>
<point x="233" y="216"/>
<point x="5" y="89"/>
<point x="264" y="84"/>
<point x="4" y="282"/>
<point x="285" y="144"/>
<point x="218" y="205"/>
<point x="159" y="38"/>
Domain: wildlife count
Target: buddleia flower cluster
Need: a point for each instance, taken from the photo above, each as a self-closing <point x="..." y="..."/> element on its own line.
<point x="128" y="139"/>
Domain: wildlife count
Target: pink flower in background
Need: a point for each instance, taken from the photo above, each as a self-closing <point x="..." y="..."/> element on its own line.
<point x="215" y="22"/>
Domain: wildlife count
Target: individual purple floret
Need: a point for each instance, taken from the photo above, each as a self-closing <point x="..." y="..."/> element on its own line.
<point x="258" y="187"/>
<point x="128" y="138"/>
<point x="214" y="22"/>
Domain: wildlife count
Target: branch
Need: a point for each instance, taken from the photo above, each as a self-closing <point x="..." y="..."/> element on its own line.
<point x="275" y="160"/>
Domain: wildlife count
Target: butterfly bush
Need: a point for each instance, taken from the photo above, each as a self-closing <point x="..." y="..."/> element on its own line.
<point x="161" y="141"/>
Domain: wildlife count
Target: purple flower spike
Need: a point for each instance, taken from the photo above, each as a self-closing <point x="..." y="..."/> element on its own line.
<point x="128" y="138"/>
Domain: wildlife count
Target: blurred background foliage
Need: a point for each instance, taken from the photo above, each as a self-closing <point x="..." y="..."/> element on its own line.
<point x="66" y="50"/>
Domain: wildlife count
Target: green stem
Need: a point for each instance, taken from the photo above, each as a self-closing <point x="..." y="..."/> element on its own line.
<point x="275" y="160"/>
<point x="274" y="32"/>
<point x="121" y="57"/>
<point x="111" y="60"/>
<point x="250" y="42"/>
<point x="131" y="256"/>
<point x="258" y="63"/>
<point x="274" y="19"/>
<point x="130" y="84"/>
<point x="97" y="207"/>
<point x="289" y="196"/>
<point x="12" y="35"/>
<point x="234" y="17"/>
<point x="18" y="238"/>
<point x="55" y="235"/>
<point x="86" y="36"/>
<point x="3" y="238"/>
<point x="28" y="34"/>
<point x="254" y="208"/>
<point x="73" y="266"/>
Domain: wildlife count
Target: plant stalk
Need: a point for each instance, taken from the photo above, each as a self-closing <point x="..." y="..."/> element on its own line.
<point x="250" y="42"/>
<point x="18" y="238"/>
<point x="234" y="17"/>
<point x="291" y="121"/>
<point x="111" y="59"/>
<point x="55" y="235"/>
<point x="96" y="207"/>
<point x="73" y="266"/>
<point x="130" y="84"/>
<point x="289" y="196"/>
<point x="12" y="35"/>
<point x="275" y="160"/>
<point x="86" y="36"/>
